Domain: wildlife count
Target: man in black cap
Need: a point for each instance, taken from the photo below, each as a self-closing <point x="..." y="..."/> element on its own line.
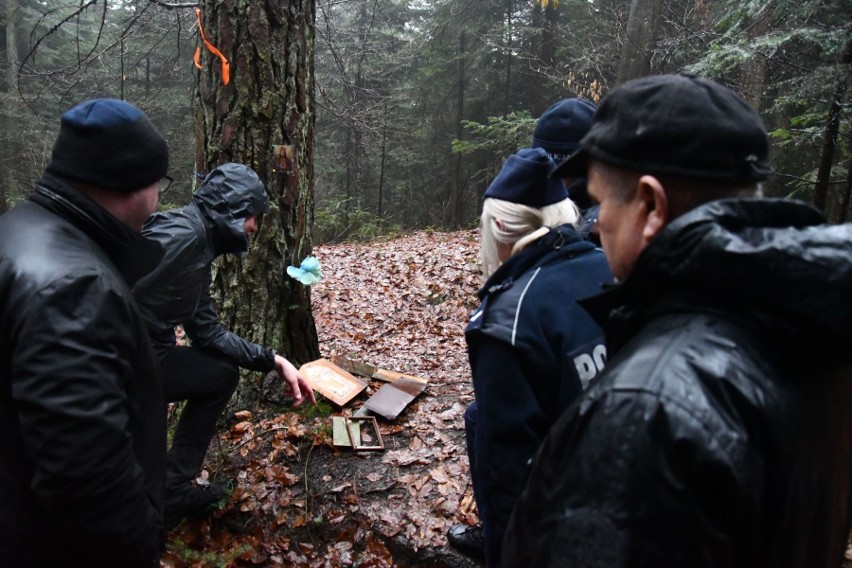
<point x="719" y="433"/>
<point x="223" y="214"/>
<point x="82" y="416"/>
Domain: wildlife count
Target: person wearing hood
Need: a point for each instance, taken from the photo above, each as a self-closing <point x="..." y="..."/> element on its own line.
<point x="719" y="435"/>
<point x="532" y="349"/>
<point x="223" y="213"/>
<point x="82" y="415"/>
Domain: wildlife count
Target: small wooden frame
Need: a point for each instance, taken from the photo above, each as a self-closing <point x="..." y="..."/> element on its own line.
<point x="352" y="421"/>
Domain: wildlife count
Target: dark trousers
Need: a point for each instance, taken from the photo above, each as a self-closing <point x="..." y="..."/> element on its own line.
<point x="205" y="380"/>
<point x="475" y="475"/>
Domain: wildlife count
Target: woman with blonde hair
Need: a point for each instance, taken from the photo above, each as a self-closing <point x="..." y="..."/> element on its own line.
<point x="532" y="348"/>
<point x="508" y="227"/>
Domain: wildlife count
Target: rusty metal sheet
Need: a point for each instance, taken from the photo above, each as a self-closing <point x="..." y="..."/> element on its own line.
<point x="393" y="397"/>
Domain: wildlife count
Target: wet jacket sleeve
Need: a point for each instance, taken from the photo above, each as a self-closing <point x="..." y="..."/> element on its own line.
<point x="509" y="418"/>
<point x="70" y="388"/>
<point x="205" y="330"/>
<point x="632" y="480"/>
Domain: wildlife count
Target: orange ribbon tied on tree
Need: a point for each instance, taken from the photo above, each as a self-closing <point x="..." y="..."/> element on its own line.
<point x="226" y="66"/>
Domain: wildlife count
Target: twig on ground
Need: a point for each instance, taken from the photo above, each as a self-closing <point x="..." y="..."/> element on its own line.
<point x="258" y="435"/>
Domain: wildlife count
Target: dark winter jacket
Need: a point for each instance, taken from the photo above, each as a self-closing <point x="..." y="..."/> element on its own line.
<point x="532" y="350"/>
<point x="82" y="415"/>
<point x="719" y="434"/>
<point x="178" y="291"/>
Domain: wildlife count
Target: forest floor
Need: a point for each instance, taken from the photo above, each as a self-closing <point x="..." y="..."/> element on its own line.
<point x="298" y="500"/>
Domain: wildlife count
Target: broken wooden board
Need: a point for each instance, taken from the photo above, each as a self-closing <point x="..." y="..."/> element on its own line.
<point x="355" y="367"/>
<point x="331" y="381"/>
<point x="393" y="397"/>
<point x="392" y="376"/>
<point x="366" y="370"/>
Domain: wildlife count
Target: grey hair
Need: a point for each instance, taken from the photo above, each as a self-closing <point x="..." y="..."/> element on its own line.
<point x="522" y="226"/>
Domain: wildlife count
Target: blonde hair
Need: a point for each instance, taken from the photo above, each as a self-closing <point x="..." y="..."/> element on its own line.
<point x="522" y="225"/>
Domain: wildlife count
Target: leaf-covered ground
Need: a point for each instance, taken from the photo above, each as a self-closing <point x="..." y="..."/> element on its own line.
<point x="299" y="501"/>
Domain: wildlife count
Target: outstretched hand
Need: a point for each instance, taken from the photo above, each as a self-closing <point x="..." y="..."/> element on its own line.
<point x="298" y="384"/>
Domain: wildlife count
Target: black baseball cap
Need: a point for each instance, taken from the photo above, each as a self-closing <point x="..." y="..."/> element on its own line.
<point x="678" y="125"/>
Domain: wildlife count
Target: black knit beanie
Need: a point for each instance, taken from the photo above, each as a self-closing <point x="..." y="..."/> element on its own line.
<point x="524" y="180"/>
<point x="109" y="144"/>
<point x="561" y="127"/>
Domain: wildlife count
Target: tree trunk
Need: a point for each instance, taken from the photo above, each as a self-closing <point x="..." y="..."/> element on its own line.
<point x="640" y="40"/>
<point x="458" y="186"/>
<point x="381" y="211"/>
<point x="829" y="140"/>
<point x="268" y="102"/>
<point x="753" y="70"/>
<point x="356" y="165"/>
<point x="13" y="16"/>
<point x="508" y="53"/>
<point x="8" y="182"/>
<point x="547" y="56"/>
<point x="847" y="193"/>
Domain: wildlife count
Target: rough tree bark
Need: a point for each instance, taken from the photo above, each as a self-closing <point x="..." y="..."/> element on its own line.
<point x="265" y="113"/>
<point x="640" y="40"/>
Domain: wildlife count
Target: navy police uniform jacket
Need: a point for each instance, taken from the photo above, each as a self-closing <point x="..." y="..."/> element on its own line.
<point x="532" y="350"/>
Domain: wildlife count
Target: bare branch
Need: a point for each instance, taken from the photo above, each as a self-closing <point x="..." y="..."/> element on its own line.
<point x="51" y="31"/>
<point x="173" y="5"/>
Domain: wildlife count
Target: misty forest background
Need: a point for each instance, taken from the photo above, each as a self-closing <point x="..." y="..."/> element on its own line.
<point x="371" y="118"/>
<point x="378" y="117"/>
<point x="417" y="102"/>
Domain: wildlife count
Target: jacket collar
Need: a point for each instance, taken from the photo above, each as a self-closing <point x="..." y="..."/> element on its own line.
<point x="133" y="255"/>
<point x="559" y="242"/>
<point x="767" y="263"/>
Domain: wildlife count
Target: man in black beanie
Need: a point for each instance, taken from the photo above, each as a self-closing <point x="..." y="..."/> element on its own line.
<point x="719" y="434"/>
<point x="82" y="421"/>
<point x="558" y="131"/>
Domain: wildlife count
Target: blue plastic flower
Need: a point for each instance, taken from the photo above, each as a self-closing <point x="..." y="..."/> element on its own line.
<point x="308" y="273"/>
